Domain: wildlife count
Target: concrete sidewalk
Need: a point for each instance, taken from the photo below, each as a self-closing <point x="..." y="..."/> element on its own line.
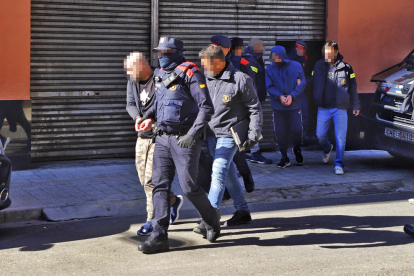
<point x="98" y="188"/>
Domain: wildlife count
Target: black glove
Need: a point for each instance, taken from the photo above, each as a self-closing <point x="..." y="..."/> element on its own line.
<point x="187" y="141"/>
<point x="249" y="144"/>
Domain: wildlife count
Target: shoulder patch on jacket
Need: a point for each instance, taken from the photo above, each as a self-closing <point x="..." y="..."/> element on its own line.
<point x="244" y="61"/>
<point x="254" y="69"/>
<point x="352" y="75"/>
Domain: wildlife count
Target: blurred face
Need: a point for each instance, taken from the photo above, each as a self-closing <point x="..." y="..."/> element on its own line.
<point x="237" y="51"/>
<point x="276" y="58"/>
<point x="330" y="54"/>
<point x="212" y="66"/>
<point x="162" y="53"/>
<point x="258" y="47"/>
<point x="138" y="70"/>
<point x="300" y="50"/>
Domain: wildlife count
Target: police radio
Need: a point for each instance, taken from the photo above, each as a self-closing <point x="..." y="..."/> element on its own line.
<point x="171" y="78"/>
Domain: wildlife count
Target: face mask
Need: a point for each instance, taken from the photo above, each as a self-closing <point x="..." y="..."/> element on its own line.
<point x="168" y="58"/>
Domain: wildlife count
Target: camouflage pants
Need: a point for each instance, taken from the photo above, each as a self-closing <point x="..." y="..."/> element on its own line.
<point x="144" y="152"/>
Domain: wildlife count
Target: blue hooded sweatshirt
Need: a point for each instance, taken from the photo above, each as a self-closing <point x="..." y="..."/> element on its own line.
<point x="282" y="79"/>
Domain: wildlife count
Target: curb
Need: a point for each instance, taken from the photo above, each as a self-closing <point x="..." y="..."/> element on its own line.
<point x="87" y="211"/>
<point x="19" y="215"/>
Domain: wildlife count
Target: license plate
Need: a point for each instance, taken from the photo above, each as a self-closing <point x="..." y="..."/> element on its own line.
<point x="399" y="134"/>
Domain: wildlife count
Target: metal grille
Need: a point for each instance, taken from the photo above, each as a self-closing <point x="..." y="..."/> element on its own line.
<point x="196" y="21"/>
<point x="77" y="81"/>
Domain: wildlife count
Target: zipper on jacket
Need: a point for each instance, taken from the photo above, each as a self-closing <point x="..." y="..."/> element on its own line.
<point x="215" y="91"/>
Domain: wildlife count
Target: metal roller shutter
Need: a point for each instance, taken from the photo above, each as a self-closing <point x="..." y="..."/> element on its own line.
<point x="195" y="22"/>
<point x="77" y="81"/>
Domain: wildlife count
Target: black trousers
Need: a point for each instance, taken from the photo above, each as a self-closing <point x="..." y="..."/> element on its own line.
<point x="287" y="122"/>
<point x="168" y="157"/>
<point x="240" y="161"/>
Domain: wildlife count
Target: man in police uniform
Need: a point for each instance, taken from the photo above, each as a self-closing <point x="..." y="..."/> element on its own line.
<point x="299" y="54"/>
<point x="240" y="157"/>
<point x="235" y="100"/>
<point x="254" y="55"/>
<point x="239" y="62"/>
<point x="183" y="108"/>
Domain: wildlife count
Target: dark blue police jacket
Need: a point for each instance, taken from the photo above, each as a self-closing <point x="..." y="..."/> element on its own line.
<point x="184" y="106"/>
<point x="346" y="86"/>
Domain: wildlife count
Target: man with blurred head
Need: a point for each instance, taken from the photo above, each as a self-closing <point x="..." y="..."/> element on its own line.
<point x="335" y="91"/>
<point x="239" y="159"/>
<point x="234" y="100"/>
<point x="254" y="55"/>
<point x="182" y="109"/>
<point x="298" y="53"/>
<point x="285" y="81"/>
<point x="141" y="97"/>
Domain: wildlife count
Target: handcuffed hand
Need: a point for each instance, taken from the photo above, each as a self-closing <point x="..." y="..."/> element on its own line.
<point x="137" y="119"/>
<point x="146" y="125"/>
<point x="187" y="141"/>
<point x="248" y="144"/>
<point x="143" y="124"/>
<point x="286" y="100"/>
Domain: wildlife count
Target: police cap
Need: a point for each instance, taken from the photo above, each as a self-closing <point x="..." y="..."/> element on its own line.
<point x="168" y="43"/>
<point x="302" y="43"/>
<point x="221" y="40"/>
<point x="236" y="41"/>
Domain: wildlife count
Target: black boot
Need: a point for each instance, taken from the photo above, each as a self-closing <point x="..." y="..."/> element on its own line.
<point x="298" y="154"/>
<point x="284" y="162"/>
<point x="154" y="245"/>
<point x="239" y="217"/>
<point x="213" y="230"/>
<point x="201" y="229"/>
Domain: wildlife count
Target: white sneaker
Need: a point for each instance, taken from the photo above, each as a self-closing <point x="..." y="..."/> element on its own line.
<point x="411" y="200"/>
<point x="326" y="156"/>
<point x="339" y="170"/>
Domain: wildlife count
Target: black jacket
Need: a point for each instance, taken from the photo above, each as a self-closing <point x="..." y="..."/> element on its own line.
<point x="346" y="85"/>
<point x="257" y="65"/>
<point x="134" y="105"/>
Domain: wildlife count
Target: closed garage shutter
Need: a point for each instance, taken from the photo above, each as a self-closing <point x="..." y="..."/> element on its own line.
<point x="196" y="21"/>
<point x="78" y="86"/>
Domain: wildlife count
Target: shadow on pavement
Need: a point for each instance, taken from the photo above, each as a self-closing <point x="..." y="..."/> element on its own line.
<point x="327" y="231"/>
<point x="347" y="232"/>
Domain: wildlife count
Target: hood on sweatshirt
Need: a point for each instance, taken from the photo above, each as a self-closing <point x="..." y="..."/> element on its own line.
<point x="280" y="51"/>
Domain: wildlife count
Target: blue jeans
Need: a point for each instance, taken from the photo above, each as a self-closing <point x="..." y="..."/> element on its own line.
<point x="224" y="173"/>
<point x="340" y="120"/>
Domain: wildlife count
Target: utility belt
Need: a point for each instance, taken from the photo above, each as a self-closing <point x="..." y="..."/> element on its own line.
<point x="160" y="132"/>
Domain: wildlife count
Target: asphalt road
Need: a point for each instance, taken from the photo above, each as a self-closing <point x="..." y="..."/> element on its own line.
<point x="359" y="235"/>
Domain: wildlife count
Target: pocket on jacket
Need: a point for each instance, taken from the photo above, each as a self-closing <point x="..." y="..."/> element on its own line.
<point x="172" y="111"/>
